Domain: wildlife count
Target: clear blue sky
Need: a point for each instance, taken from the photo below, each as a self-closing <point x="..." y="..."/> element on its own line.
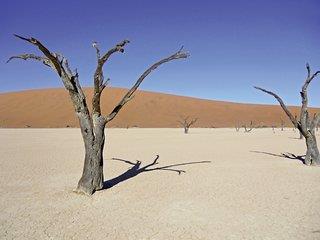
<point x="234" y="44"/>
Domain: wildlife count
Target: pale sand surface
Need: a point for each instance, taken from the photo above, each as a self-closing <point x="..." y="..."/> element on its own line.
<point x="241" y="194"/>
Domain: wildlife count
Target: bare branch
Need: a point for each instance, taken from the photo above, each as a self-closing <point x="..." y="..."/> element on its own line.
<point x="65" y="62"/>
<point x="61" y="66"/>
<point x="99" y="83"/>
<point x="308" y="70"/>
<point x="178" y="55"/>
<point x="284" y="107"/>
<point x="193" y="121"/>
<point x="44" y="50"/>
<point x="95" y="45"/>
<point x="27" y="56"/>
<point x="304" y="99"/>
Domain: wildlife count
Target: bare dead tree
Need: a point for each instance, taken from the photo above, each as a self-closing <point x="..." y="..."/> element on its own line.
<point x="305" y="126"/>
<point x="93" y="123"/>
<point x="186" y="123"/>
<point x="282" y="125"/>
<point x="237" y="127"/>
<point x="248" y="129"/>
<point x="273" y="127"/>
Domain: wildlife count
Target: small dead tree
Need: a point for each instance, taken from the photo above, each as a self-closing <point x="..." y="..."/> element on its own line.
<point x="305" y="126"/>
<point x="237" y="127"/>
<point x="186" y="123"/>
<point x="92" y="123"/>
<point x="273" y="128"/>
<point x="282" y="125"/>
<point x="248" y="129"/>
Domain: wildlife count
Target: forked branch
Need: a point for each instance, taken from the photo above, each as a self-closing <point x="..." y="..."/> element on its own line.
<point x="99" y="83"/>
<point x="54" y="60"/>
<point x="60" y="65"/>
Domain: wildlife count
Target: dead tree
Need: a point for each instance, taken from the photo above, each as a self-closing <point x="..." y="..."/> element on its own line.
<point x="305" y="126"/>
<point x="248" y="129"/>
<point x="282" y="125"/>
<point x="186" y="123"/>
<point x="92" y="123"/>
<point x="273" y="127"/>
<point x="237" y="127"/>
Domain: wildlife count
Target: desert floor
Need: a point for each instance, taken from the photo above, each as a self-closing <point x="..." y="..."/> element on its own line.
<point x="235" y="186"/>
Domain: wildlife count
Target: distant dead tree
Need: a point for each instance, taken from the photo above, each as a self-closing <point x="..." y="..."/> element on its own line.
<point x="273" y="127"/>
<point x="186" y="123"/>
<point x="237" y="127"/>
<point x="282" y="125"/>
<point x="92" y="123"/>
<point x="248" y="129"/>
<point x="305" y="125"/>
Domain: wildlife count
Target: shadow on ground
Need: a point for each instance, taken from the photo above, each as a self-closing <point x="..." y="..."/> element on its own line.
<point x="137" y="169"/>
<point x="284" y="155"/>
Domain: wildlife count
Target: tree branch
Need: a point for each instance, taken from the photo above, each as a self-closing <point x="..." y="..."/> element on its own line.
<point x="60" y="64"/>
<point x="284" y="107"/>
<point x="304" y="99"/>
<point x="99" y="83"/>
<point x="44" y="50"/>
<point x="193" y="121"/>
<point x="178" y="55"/>
<point x="27" y="56"/>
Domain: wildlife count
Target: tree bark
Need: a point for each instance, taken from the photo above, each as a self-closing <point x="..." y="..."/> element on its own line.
<point x="92" y="175"/>
<point x="312" y="156"/>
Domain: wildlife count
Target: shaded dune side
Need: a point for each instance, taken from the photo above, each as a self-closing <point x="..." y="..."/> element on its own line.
<point x="51" y="108"/>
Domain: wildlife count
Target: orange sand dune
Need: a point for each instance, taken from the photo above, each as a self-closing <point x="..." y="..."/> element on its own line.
<point x="50" y="108"/>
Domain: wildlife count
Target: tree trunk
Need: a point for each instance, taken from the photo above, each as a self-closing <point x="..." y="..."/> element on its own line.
<point x="186" y="130"/>
<point x="92" y="175"/>
<point x="312" y="155"/>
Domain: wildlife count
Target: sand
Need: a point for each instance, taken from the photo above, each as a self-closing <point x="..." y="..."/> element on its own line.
<point x="51" y="108"/>
<point x="240" y="190"/>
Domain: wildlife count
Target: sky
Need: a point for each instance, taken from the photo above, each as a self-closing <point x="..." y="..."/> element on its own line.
<point x="233" y="45"/>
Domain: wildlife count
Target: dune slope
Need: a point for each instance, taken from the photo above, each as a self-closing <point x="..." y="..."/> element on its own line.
<point x="48" y="108"/>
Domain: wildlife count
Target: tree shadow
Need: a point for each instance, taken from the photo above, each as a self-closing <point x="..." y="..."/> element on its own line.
<point x="284" y="155"/>
<point x="137" y="169"/>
